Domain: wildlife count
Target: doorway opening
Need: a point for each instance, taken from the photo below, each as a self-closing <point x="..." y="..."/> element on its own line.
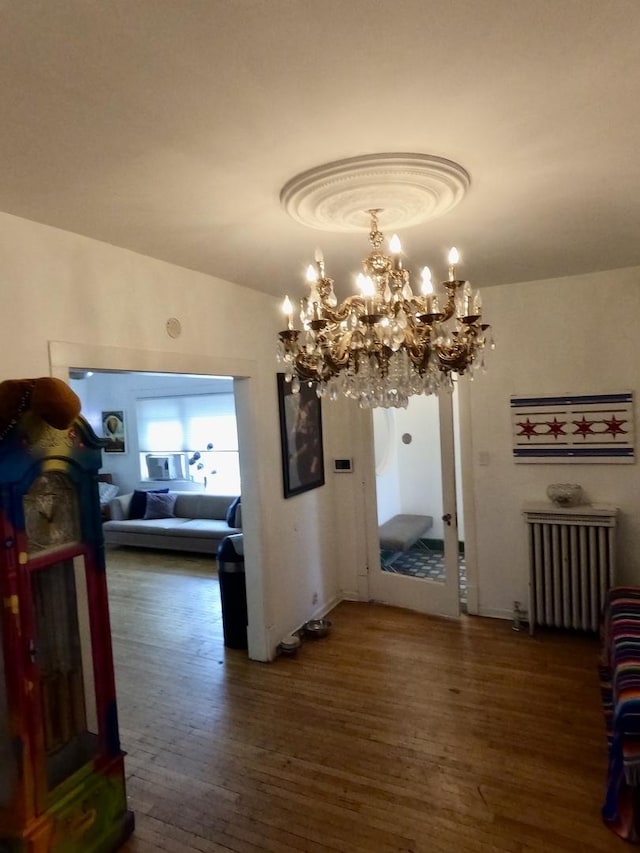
<point x="65" y="357"/>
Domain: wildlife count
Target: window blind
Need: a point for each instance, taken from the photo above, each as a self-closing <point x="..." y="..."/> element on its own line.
<point x="187" y="423"/>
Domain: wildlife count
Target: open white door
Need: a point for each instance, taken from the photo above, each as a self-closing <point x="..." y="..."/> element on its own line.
<point x="431" y="594"/>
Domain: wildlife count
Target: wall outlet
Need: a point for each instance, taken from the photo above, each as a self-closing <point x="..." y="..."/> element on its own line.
<point x="314" y="599"/>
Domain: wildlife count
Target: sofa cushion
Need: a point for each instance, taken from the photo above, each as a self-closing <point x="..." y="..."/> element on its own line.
<point x="189" y="528"/>
<point x="231" y="512"/>
<point x="160" y="505"/>
<point x="138" y="504"/>
<point x="204" y="528"/>
<point x="199" y="505"/>
<point x="154" y="526"/>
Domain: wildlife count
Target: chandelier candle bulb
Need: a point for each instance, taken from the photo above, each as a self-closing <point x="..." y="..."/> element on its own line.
<point x="367" y="289"/>
<point x="454" y="258"/>
<point x="427" y="289"/>
<point x="466" y="303"/>
<point x="395" y="247"/>
<point x="427" y="282"/>
<point x="287" y="307"/>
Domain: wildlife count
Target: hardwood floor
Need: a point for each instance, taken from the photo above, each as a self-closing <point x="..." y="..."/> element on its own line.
<point x="396" y="732"/>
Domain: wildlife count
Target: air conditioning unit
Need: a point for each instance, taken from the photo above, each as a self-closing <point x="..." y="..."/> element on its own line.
<point x="166" y="466"/>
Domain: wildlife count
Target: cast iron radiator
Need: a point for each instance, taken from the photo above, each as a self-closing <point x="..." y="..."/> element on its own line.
<point x="572" y="560"/>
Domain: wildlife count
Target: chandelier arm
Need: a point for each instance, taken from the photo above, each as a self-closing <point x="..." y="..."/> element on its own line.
<point x="325" y="287"/>
<point x="451" y="287"/>
<point x="420" y="356"/>
<point x="456" y="357"/>
<point x="342" y="311"/>
<point x="336" y="364"/>
<point x="314" y="370"/>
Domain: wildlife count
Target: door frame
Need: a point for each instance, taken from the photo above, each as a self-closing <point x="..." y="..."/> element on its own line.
<point x="464" y="491"/>
<point x="64" y="355"/>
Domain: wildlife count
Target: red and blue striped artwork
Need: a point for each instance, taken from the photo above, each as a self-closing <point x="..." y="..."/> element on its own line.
<point x="573" y="428"/>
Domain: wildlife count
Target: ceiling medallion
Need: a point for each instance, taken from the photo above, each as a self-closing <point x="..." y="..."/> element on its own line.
<point x="407" y="189"/>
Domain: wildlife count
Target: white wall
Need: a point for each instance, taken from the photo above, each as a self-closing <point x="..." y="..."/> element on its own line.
<point x="572" y="335"/>
<point x="354" y="518"/>
<point x="385" y="434"/>
<point x="65" y="294"/>
<point x="419" y="467"/>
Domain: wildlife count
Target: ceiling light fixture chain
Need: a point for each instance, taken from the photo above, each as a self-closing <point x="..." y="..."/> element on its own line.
<point x="386" y="343"/>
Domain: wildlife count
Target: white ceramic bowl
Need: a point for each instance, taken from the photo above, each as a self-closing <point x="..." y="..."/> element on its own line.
<point x="565" y="494"/>
<point x="290" y="644"/>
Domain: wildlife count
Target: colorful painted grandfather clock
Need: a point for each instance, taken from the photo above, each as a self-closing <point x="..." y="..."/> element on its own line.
<point x="62" y="786"/>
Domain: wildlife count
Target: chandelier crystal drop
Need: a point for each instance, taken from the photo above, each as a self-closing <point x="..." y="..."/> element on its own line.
<point x="386" y="343"/>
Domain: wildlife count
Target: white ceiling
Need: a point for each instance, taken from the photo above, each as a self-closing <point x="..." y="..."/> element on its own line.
<point x="170" y="126"/>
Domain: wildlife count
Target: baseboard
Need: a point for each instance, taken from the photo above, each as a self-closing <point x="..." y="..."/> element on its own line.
<point x="491" y="613"/>
<point x="322" y="611"/>
<point x="347" y="596"/>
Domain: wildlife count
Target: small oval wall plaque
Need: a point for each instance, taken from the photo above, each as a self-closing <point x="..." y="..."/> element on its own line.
<point x="174" y="328"/>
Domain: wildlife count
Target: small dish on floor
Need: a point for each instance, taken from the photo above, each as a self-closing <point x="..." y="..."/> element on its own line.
<point x="316" y="628"/>
<point x="290" y="644"/>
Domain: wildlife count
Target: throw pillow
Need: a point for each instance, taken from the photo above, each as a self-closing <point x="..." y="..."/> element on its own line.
<point x="231" y="512"/>
<point x="138" y="505"/>
<point x="160" y="505"/>
<point x="107" y="492"/>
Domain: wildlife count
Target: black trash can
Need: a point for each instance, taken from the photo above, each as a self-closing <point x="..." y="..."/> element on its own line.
<point x="233" y="591"/>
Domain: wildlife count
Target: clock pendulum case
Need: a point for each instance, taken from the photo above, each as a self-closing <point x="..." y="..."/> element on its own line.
<point x="62" y="786"/>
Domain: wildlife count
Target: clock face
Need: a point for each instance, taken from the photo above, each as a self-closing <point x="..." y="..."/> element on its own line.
<point x="51" y="514"/>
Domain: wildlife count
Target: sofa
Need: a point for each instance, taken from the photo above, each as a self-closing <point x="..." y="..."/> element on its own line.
<point x="177" y="521"/>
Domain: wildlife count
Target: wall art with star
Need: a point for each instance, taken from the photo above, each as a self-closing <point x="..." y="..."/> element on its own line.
<point x="573" y="428"/>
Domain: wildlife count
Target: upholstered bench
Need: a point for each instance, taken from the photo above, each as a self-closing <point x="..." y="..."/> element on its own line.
<point x="402" y="531"/>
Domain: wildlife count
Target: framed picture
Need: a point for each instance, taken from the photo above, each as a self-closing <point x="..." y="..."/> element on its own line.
<point x="301" y="437"/>
<point x="113" y="431"/>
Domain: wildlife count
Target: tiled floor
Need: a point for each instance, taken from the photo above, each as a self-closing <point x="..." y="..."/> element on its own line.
<point x="420" y="562"/>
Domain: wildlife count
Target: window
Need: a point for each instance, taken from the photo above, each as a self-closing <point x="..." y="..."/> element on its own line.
<point x="201" y="427"/>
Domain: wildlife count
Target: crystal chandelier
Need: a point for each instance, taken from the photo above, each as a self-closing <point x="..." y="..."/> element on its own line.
<point x="386" y="343"/>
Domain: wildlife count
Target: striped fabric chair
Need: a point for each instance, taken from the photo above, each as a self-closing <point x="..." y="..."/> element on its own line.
<point x="619" y="669"/>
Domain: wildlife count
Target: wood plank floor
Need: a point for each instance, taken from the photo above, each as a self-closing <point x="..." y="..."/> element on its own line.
<point x="397" y="732"/>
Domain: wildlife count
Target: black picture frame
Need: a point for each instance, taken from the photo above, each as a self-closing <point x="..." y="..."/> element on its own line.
<point x="301" y="438"/>
<point x="113" y="430"/>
